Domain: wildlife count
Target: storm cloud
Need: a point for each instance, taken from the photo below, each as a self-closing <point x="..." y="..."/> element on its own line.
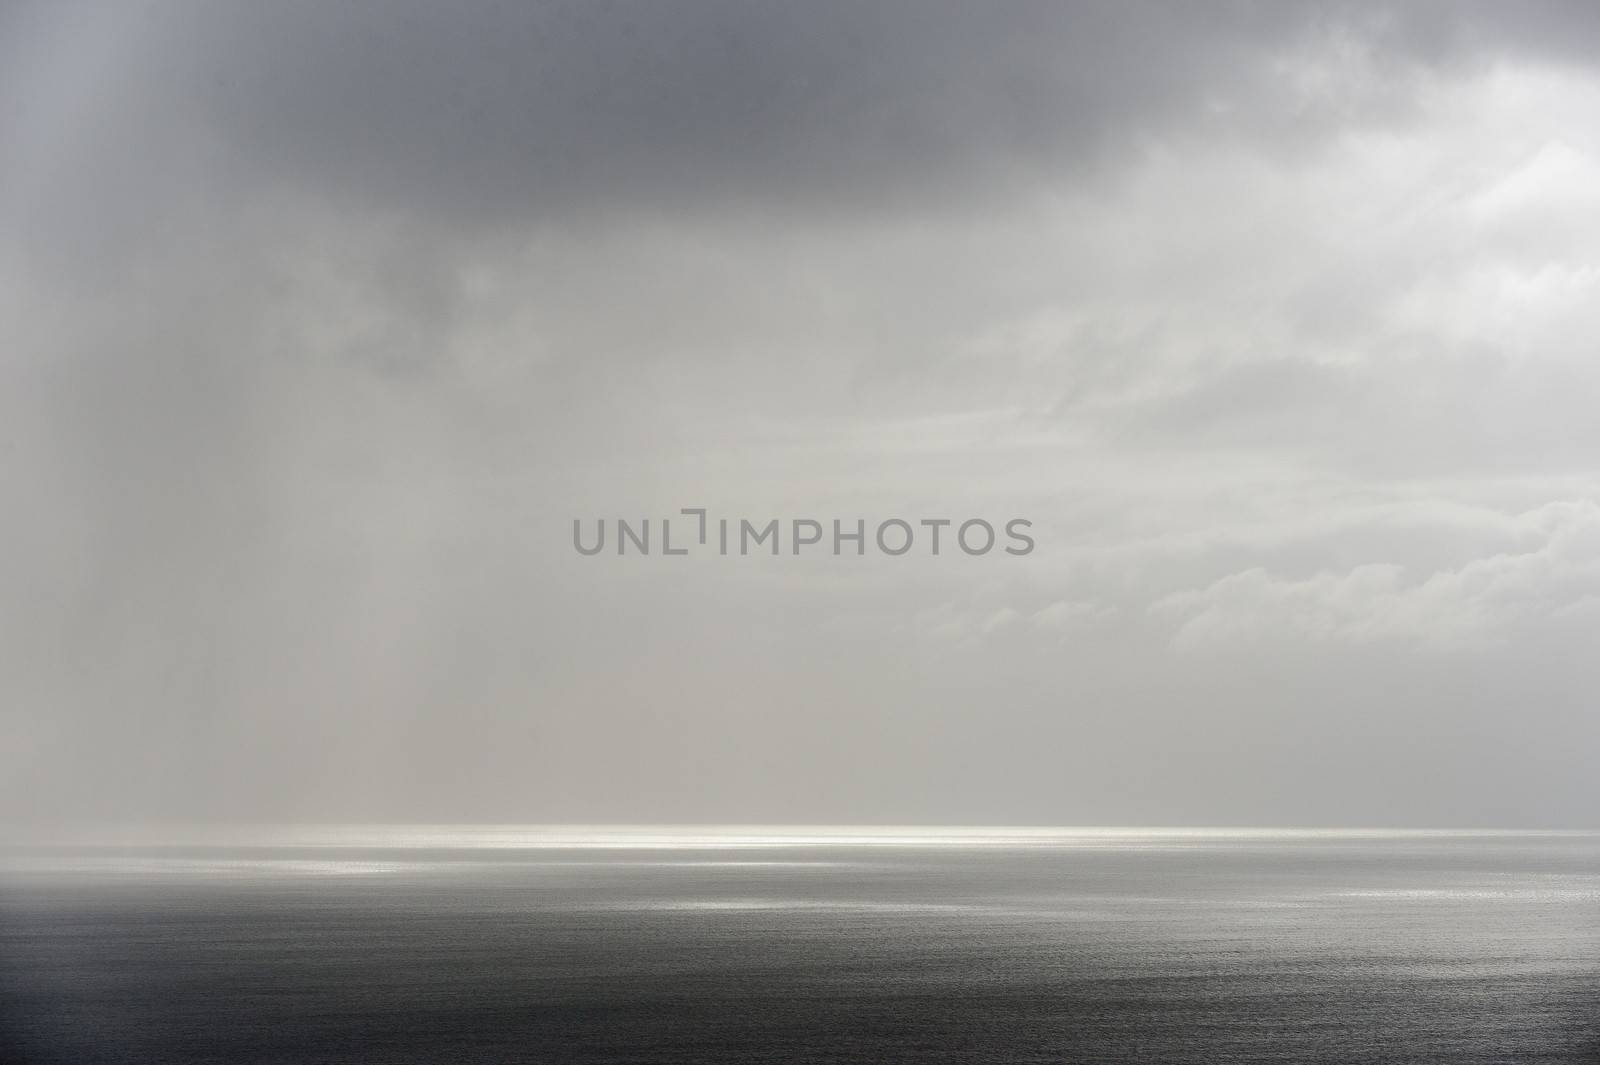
<point x="322" y="323"/>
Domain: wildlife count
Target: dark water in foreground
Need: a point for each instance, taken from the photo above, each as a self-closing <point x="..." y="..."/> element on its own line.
<point x="491" y="945"/>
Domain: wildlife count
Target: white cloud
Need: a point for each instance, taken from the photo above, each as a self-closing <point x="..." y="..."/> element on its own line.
<point x="1481" y="602"/>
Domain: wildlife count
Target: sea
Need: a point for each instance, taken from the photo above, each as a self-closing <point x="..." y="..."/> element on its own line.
<point x="583" y="944"/>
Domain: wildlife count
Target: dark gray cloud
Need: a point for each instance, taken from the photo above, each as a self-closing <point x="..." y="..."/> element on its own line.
<point x="478" y="115"/>
<point x="497" y="109"/>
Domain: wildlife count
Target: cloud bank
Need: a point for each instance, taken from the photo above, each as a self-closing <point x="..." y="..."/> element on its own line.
<point x="321" y="325"/>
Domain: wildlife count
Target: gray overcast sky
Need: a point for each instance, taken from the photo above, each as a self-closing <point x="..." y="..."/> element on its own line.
<point x="320" y="323"/>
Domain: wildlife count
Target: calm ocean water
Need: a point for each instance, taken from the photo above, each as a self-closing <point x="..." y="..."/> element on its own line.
<point x="741" y="945"/>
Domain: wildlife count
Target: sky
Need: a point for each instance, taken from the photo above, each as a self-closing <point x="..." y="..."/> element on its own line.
<point x="321" y="324"/>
